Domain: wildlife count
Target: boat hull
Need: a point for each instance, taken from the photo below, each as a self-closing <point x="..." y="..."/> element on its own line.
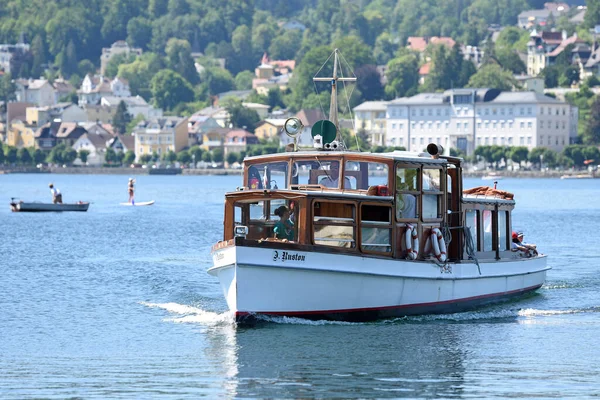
<point x="48" y="207"/>
<point x="354" y="288"/>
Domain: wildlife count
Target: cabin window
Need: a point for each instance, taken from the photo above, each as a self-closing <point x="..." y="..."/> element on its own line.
<point x="237" y="215"/>
<point x="503" y="243"/>
<point x="487" y="230"/>
<point x="471" y="224"/>
<point x="376" y="228"/>
<point x="432" y="194"/>
<point x="260" y="218"/>
<point x="319" y="172"/>
<point x="407" y="193"/>
<point x="333" y="224"/>
<point x="362" y="175"/>
<point x="268" y="175"/>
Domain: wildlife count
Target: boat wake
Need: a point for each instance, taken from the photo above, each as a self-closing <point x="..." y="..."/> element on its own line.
<point x="300" y="321"/>
<point x="193" y="315"/>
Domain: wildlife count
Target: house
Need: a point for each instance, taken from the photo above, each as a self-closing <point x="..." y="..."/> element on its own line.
<point x="261" y="109"/>
<point x="17" y="111"/>
<point x="466" y="118"/>
<point x="544" y="47"/>
<point x="272" y="74"/>
<point x="219" y="114"/>
<point x="269" y="128"/>
<point x="57" y="132"/>
<point x="93" y="88"/>
<point x="62" y="89"/>
<point x="420" y="43"/>
<point x="237" y="140"/>
<point x="122" y="143"/>
<point x="308" y="117"/>
<point x="532" y="83"/>
<point x="100" y="113"/>
<point x="371" y="116"/>
<point x="66" y="112"/>
<point x="11" y="56"/>
<point x="98" y="128"/>
<point x="136" y="105"/>
<point x="214" y="138"/>
<point x="532" y="18"/>
<point x="118" y="47"/>
<point x="20" y="135"/>
<point x="424" y="71"/>
<point x="160" y="135"/>
<point x="96" y="144"/>
<point x="37" y="91"/>
<point x="197" y="125"/>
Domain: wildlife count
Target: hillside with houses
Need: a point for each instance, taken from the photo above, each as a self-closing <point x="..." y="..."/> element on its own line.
<point x="194" y="83"/>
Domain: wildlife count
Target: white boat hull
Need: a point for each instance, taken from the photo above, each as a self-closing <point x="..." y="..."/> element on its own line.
<point x="355" y="288"/>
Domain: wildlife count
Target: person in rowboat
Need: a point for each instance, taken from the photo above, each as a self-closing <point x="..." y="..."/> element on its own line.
<point x="56" y="194"/>
<point x="284" y="228"/>
<point x="131" y="190"/>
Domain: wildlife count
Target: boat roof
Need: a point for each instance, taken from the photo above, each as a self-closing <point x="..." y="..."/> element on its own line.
<point x="407" y="156"/>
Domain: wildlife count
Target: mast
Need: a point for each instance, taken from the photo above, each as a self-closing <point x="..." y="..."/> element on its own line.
<point x="333" y="109"/>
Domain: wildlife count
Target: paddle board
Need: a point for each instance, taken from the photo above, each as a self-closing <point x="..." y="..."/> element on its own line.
<point x="139" y="203"/>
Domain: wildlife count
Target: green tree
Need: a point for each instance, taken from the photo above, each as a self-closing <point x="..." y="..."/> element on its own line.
<point x="170" y="156"/>
<point x="38" y="156"/>
<point x="385" y="47"/>
<point x="11" y="154"/>
<point x="301" y="82"/>
<point x="85" y="67"/>
<point x="510" y="60"/>
<point x="591" y="135"/>
<point x="551" y="76"/>
<point x="157" y="8"/>
<point x="169" y="89"/>
<point x="69" y="155"/>
<point x="286" y="45"/>
<point x="275" y="98"/>
<point x="121" y="118"/>
<point x="196" y="153"/>
<point x="217" y="155"/>
<point x="243" y="80"/>
<point x="145" y="158"/>
<point x="179" y="59"/>
<point x="83" y="155"/>
<point x="402" y="76"/>
<point x="110" y="156"/>
<point x="574" y="152"/>
<point x="207" y="156"/>
<point x="184" y="157"/>
<point x="232" y="157"/>
<point x="217" y="80"/>
<point x="7" y="90"/>
<point x="240" y="116"/>
<point x="2" y="156"/>
<point x="24" y="156"/>
<point x="129" y="157"/>
<point x="519" y="154"/>
<point x="139" y="32"/>
<point x="39" y="52"/>
<point x="592" y="14"/>
<point x="492" y="76"/>
<point x="368" y="82"/>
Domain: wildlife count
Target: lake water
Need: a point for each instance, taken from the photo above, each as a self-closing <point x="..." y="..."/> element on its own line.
<point x="116" y="303"/>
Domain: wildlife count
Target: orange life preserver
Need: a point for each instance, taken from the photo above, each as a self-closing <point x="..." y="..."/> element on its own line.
<point x="438" y="244"/>
<point x="411" y="240"/>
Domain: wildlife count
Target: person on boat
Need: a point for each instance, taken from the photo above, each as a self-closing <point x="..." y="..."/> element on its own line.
<point x="333" y="177"/>
<point x="284" y="228"/>
<point x="56" y="194"/>
<point x="254" y="181"/>
<point x="518" y="246"/>
<point x="131" y="190"/>
<point x="531" y="247"/>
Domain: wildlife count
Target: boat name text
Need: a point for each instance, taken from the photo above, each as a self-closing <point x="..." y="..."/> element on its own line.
<point x="288" y="256"/>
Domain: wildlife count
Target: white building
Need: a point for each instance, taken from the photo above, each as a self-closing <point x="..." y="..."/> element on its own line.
<point x="118" y="47"/>
<point x="135" y="106"/>
<point x="371" y="116"/>
<point x="36" y="91"/>
<point x="467" y="118"/>
<point x="93" y="88"/>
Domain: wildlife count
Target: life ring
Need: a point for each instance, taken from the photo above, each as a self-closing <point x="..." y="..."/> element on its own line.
<point x="438" y="244"/>
<point x="411" y="240"/>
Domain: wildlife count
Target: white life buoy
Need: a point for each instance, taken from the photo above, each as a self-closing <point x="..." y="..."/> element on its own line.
<point x="438" y="244"/>
<point x="411" y="240"/>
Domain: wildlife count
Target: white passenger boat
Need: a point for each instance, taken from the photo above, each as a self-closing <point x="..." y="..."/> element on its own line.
<point x="373" y="235"/>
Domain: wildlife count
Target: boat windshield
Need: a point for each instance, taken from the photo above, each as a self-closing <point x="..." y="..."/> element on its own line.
<point x="272" y="175"/>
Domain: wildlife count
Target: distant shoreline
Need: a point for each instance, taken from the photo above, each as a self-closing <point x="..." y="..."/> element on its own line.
<point x="223" y="171"/>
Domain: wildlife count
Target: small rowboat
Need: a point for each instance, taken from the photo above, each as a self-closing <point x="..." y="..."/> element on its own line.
<point x="141" y="203"/>
<point x="21" y="206"/>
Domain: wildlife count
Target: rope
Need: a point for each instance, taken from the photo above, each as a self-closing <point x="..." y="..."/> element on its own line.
<point x="348" y="98"/>
<point x="315" y="84"/>
<point x="470" y="247"/>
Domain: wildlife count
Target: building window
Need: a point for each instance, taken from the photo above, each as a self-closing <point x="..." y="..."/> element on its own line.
<point x="564" y="124"/>
<point x="522" y="125"/>
<point x="510" y="124"/>
<point x="528" y="139"/>
<point x="447" y="112"/>
<point x="466" y="126"/>
<point x="479" y="125"/>
<point x="509" y="140"/>
<point x="541" y="139"/>
<point x="486" y="111"/>
<point x="528" y="110"/>
<point x="521" y="140"/>
<point x="494" y="125"/>
<point x="542" y="124"/>
<point x="564" y="111"/>
<point x="494" y="111"/>
<point x="401" y="126"/>
<point x="510" y="111"/>
<point x="421" y="141"/>
<point x="413" y="141"/>
<point x="458" y="126"/>
<point x="557" y="110"/>
<point x="502" y="111"/>
<point x="556" y="124"/>
<point x="401" y="141"/>
<point x="494" y="140"/>
<point x="478" y="141"/>
<point x="430" y="112"/>
<point x="529" y="124"/>
<point x="421" y="112"/>
<point x="522" y="111"/>
<point x="486" y="141"/>
<point x="393" y="126"/>
<point x="541" y="110"/>
<point x="438" y="112"/>
<point x="502" y="125"/>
